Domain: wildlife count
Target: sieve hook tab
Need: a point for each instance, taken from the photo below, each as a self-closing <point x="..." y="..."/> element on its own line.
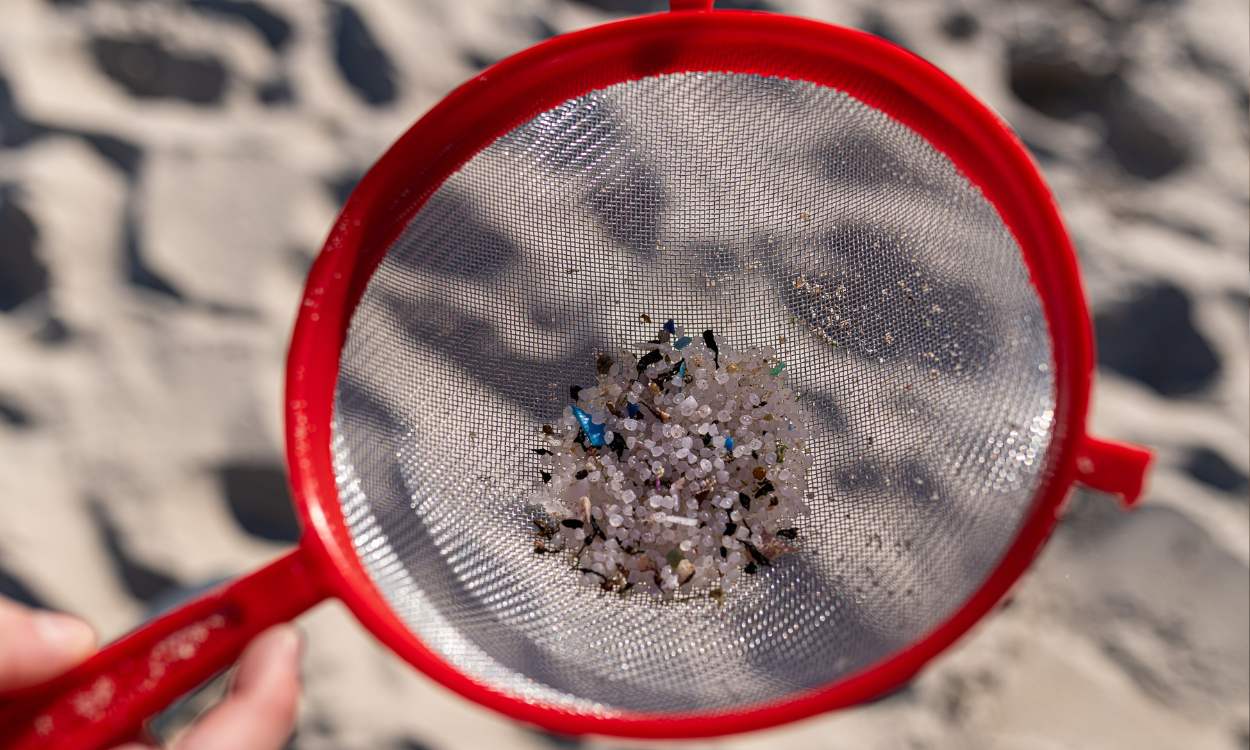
<point x="1113" y="467"/>
<point x="683" y="5"/>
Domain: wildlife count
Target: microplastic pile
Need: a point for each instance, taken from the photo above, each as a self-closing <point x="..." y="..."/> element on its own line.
<point x="681" y="470"/>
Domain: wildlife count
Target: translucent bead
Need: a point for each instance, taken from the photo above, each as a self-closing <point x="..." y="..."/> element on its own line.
<point x="688" y="406"/>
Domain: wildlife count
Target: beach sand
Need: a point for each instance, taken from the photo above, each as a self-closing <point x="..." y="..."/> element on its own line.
<point x="169" y="170"/>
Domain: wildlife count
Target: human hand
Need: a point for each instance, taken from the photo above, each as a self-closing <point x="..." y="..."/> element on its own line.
<point x="257" y="714"/>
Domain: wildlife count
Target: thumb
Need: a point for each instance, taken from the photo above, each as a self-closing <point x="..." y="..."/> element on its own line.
<point x="38" y="645"/>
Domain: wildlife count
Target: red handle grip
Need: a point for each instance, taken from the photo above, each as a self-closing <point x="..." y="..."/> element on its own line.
<point x="1117" y="468"/>
<point x="107" y="699"/>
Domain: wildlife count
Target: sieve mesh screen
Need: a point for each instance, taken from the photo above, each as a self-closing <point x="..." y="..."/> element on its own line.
<point x="755" y="206"/>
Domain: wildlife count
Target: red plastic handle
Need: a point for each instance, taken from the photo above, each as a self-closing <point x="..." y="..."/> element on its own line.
<point x="107" y="699"/>
<point x="1116" y="468"/>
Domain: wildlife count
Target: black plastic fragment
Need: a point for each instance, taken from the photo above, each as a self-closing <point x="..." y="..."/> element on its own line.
<point x="649" y="359"/>
<point x="710" y="339"/>
<point x="756" y="555"/>
<point x="592" y="572"/>
<point x="618" y="444"/>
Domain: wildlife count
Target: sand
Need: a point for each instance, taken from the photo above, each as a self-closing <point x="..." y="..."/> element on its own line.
<point x="167" y="172"/>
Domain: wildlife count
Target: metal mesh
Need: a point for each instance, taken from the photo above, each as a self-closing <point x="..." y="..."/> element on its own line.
<point x="760" y="208"/>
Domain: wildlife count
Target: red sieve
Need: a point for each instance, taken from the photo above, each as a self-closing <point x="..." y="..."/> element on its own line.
<point x="758" y="174"/>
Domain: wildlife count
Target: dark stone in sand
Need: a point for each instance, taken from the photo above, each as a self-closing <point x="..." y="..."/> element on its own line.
<point x="23" y="275"/>
<point x="147" y="69"/>
<point x="1152" y="338"/>
<point x="13" y="588"/>
<point x="259" y="501"/>
<point x="360" y="58"/>
<point x="273" y="27"/>
<point x="1211" y="468"/>
<point x="140" y="580"/>
<point x="12" y="414"/>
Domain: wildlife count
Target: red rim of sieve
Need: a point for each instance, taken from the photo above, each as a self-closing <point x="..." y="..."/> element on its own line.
<point x="692" y="38"/>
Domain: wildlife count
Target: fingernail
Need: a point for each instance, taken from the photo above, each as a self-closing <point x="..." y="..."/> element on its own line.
<point x="63" y="633"/>
<point x="285" y="647"/>
<point x="286" y="641"/>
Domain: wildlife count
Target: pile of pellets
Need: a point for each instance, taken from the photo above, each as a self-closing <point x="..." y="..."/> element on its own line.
<point x="681" y="470"/>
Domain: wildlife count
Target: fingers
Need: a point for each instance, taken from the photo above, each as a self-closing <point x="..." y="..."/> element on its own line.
<point x="37" y="645"/>
<point x="259" y="712"/>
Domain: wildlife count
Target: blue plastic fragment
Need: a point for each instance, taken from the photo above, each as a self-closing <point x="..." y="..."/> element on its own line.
<point x="670" y="326"/>
<point x="682" y="342"/>
<point x="729" y="443"/>
<point x="592" y="430"/>
<point x="634" y="410"/>
<point x="681" y="371"/>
